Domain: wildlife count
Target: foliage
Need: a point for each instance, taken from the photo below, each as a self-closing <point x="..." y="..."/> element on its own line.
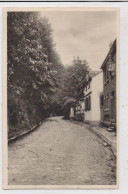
<point x="34" y="70"/>
<point x="76" y="78"/>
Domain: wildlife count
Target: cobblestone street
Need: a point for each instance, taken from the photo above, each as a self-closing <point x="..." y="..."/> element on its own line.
<point x="60" y="152"/>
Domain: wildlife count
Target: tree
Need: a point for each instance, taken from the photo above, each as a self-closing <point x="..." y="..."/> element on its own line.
<point x="76" y="78"/>
<point x="33" y="69"/>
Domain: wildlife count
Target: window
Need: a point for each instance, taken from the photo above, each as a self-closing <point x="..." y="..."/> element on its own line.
<point x="89" y="103"/>
<point x="86" y="104"/>
<point x="113" y="72"/>
<point x="107" y="101"/>
<point x="101" y="100"/>
<point x="89" y="85"/>
<point x="113" y="93"/>
<point x="106" y="76"/>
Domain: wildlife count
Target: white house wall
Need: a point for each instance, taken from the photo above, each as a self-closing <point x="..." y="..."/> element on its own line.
<point x="97" y="88"/>
<point x="88" y="114"/>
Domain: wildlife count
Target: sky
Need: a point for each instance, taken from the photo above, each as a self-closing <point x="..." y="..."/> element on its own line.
<point x="86" y="34"/>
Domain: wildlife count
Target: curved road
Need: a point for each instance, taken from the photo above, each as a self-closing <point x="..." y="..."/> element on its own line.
<point x="60" y="152"/>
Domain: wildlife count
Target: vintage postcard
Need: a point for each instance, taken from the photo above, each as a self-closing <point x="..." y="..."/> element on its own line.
<point x="60" y="91"/>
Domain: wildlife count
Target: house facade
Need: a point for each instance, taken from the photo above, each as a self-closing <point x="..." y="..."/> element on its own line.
<point x="109" y="88"/>
<point x="92" y="98"/>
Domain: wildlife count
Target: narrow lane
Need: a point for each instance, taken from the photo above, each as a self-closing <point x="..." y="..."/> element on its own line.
<point x="60" y="152"/>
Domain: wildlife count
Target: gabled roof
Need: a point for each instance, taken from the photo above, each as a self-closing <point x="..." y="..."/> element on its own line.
<point x="109" y="53"/>
<point x="94" y="73"/>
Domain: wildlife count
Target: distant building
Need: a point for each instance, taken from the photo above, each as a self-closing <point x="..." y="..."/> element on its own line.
<point x="92" y="93"/>
<point x="79" y="113"/>
<point x="109" y="88"/>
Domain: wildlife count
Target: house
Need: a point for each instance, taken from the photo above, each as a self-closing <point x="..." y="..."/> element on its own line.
<point x="109" y="88"/>
<point x="92" y="98"/>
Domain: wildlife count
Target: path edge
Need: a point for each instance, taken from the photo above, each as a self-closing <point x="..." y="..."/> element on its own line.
<point x="23" y="134"/>
<point x="104" y="139"/>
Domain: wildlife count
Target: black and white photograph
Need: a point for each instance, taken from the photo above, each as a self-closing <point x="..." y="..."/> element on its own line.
<point x="61" y="113"/>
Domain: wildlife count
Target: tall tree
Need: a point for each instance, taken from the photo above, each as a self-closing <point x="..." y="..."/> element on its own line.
<point x="33" y="69"/>
<point x="76" y="78"/>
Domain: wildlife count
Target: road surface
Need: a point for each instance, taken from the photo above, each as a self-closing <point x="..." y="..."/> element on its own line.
<point x="60" y="152"/>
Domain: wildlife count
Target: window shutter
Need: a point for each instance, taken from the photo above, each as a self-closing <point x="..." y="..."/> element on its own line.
<point x="89" y="102"/>
<point x="85" y="104"/>
<point x="101" y="100"/>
